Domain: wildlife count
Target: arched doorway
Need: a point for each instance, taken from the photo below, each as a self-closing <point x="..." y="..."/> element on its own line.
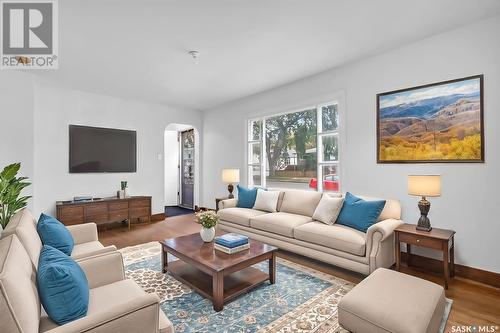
<point x="181" y="151"/>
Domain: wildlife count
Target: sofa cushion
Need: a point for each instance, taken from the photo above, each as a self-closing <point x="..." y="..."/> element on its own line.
<point x="279" y="223"/>
<point x="239" y="216"/>
<point x="392" y="208"/>
<point x="358" y="213"/>
<point x="300" y="202"/>
<point x="54" y="233"/>
<point x="86" y="249"/>
<point x="335" y="236"/>
<point x="246" y="197"/>
<point x="380" y="303"/>
<point x="62" y="286"/>
<point x="328" y="209"/>
<point x="19" y="302"/>
<point x="266" y="200"/>
<point x="102" y="299"/>
<point x="108" y="296"/>
<point x="23" y="225"/>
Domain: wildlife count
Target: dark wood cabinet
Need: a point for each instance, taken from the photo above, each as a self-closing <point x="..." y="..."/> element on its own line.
<point x="104" y="211"/>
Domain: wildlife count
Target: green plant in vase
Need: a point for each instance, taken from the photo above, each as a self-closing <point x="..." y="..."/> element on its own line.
<point x="208" y="221"/>
<point x="11" y="187"/>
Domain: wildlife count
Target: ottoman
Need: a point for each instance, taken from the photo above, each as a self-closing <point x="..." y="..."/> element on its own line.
<point x="389" y="301"/>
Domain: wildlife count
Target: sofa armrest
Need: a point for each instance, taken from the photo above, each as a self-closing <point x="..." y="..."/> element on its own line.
<point x="103" y="269"/>
<point x="385" y="227"/>
<point x="106" y="249"/>
<point x="138" y="315"/>
<point x="228" y="203"/>
<point x="83" y="233"/>
<point x="380" y="244"/>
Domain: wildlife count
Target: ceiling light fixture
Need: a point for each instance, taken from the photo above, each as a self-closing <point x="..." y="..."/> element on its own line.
<point x="195" y="55"/>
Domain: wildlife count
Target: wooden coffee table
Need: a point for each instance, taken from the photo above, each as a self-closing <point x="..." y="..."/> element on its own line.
<point x="217" y="276"/>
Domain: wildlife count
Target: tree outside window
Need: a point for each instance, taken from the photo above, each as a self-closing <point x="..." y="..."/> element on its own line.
<point x="290" y="154"/>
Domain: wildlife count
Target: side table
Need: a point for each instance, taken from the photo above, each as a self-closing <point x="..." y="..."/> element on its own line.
<point x="438" y="239"/>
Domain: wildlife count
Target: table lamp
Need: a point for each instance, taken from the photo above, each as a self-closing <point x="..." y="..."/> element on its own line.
<point x="230" y="176"/>
<point x="424" y="186"/>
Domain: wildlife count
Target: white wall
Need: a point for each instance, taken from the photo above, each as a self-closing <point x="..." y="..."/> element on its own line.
<point x="57" y="107"/>
<point x="16" y="123"/>
<point x="469" y="201"/>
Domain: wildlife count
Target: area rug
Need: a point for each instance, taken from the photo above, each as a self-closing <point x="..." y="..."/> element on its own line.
<point x="303" y="299"/>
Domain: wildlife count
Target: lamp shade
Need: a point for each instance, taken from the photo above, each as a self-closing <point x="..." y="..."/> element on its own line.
<point x="231" y="175"/>
<point x="424" y="185"/>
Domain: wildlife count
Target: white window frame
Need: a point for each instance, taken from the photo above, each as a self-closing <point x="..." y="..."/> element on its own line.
<point x="319" y="143"/>
<point x="337" y="100"/>
<point x="250" y="142"/>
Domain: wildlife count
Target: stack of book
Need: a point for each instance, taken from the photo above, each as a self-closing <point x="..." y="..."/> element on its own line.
<point x="231" y="243"/>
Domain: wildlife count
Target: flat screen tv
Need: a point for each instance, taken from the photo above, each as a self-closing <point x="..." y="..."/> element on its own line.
<point x="95" y="149"/>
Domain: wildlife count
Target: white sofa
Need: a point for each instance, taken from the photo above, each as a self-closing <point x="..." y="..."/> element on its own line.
<point x="292" y="228"/>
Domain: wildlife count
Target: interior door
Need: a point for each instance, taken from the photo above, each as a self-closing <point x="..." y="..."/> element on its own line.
<point x="187" y="169"/>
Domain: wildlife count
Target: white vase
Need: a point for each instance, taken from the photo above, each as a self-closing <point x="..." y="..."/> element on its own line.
<point x="207" y="234"/>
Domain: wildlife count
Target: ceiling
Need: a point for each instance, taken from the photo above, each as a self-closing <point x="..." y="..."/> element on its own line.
<point x="138" y="49"/>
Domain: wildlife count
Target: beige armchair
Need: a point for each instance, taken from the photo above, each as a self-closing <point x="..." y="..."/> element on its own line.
<point x="23" y="225"/>
<point x="116" y="304"/>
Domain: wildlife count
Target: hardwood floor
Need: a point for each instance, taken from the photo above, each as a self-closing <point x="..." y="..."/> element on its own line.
<point x="474" y="304"/>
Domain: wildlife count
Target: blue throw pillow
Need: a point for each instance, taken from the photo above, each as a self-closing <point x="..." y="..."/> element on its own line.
<point x="62" y="286"/>
<point x="246" y="197"/>
<point x="54" y="233"/>
<point x="358" y="213"/>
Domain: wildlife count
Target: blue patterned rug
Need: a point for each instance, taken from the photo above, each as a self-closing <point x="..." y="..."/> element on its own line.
<point x="304" y="300"/>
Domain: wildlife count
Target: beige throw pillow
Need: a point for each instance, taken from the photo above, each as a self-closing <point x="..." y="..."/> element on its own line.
<point x="328" y="209"/>
<point x="266" y="200"/>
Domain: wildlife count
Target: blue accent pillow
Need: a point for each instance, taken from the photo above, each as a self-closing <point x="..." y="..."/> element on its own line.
<point x="54" y="233"/>
<point x="358" y="213"/>
<point x="62" y="286"/>
<point x="246" y="197"/>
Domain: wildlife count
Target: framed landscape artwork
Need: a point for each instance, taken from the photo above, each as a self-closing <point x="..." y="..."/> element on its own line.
<point x="439" y="122"/>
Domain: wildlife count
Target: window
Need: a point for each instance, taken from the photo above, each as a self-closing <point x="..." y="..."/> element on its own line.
<point x="328" y="138"/>
<point x="295" y="149"/>
<point x="254" y="152"/>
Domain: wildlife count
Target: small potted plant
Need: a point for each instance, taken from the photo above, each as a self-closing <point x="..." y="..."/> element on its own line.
<point x="208" y="220"/>
<point x="11" y="186"/>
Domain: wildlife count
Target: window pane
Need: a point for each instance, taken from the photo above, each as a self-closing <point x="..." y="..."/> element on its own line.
<point x="255" y="178"/>
<point x="291" y="149"/>
<point x="331" y="181"/>
<point x="330" y="148"/>
<point x="255" y="130"/>
<point x="330" y="117"/>
<point x="254" y="151"/>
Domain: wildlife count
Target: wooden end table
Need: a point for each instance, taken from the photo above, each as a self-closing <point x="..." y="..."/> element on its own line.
<point x="216" y="275"/>
<point x="438" y="239"/>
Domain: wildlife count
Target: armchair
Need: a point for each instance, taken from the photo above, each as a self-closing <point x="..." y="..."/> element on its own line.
<point x="116" y="304"/>
<point x="23" y="225"/>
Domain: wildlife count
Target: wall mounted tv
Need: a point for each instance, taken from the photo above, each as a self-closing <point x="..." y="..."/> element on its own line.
<point x="95" y="149"/>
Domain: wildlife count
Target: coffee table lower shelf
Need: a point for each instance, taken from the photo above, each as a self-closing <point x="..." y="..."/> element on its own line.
<point x="233" y="284"/>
